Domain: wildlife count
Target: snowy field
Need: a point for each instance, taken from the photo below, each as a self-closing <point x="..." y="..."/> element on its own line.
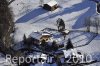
<point x="30" y="17"/>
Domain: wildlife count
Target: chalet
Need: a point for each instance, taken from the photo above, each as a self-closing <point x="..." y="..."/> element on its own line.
<point x="40" y="36"/>
<point x="45" y="36"/>
<point x="51" y="6"/>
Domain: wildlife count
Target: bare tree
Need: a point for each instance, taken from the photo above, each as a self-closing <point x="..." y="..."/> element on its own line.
<point x="6" y="23"/>
<point x="10" y="2"/>
<point x="92" y="22"/>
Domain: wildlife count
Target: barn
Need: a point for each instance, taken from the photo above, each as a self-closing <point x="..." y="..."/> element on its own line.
<point x="51" y="6"/>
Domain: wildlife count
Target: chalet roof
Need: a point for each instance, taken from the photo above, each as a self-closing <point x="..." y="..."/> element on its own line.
<point x="46" y="33"/>
<point x="52" y="3"/>
<point x="36" y="35"/>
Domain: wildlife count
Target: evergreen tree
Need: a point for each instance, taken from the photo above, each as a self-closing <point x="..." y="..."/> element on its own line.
<point x="54" y="46"/>
<point x="69" y="45"/>
<point x="24" y="39"/>
<point x="43" y="44"/>
<point x="60" y="25"/>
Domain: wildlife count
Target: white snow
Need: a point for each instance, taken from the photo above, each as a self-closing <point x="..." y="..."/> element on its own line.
<point x="52" y="3"/>
<point x="36" y="35"/>
<point x="29" y="17"/>
<point x="37" y="19"/>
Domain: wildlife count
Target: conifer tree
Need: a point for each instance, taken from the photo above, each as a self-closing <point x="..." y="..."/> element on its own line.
<point x="69" y="45"/>
<point x="60" y="24"/>
<point x="24" y="39"/>
<point x="43" y="44"/>
<point x="54" y="46"/>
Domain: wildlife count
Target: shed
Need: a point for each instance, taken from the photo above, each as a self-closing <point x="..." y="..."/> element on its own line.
<point x="51" y="6"/>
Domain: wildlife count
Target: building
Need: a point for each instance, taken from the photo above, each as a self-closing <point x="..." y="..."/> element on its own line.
<point x="51" y="6"/>
<point x="45" y="36"/>
<point x="40" y="36"/>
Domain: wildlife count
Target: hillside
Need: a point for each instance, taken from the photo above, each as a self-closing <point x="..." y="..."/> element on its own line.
<point x="30" y="17"/>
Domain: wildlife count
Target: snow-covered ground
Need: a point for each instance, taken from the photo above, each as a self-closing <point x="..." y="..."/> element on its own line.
<point x="30" y="17"/>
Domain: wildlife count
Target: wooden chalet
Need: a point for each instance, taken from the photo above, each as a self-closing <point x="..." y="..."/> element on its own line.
<point x="38" y="36"/>
<point x="51" y="6"/>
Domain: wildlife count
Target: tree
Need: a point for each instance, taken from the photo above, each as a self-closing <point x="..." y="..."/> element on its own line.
<point x="60" y="25"/>
<point x="64" y="35"/>
<point x="54" y="46"/>
<point x="10" y="2"/>
<point x="6" y="23"/>
<point x="24" y="39"/>
<point x="69" y="45"/>
<point x="43" y="44"/>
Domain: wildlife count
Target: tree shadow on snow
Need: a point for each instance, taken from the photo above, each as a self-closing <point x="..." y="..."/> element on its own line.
<point x="77" y="7"/>
<point x="87" y="39"/>
<point x="31" y="15"/>
<point x="81" y="20"/>
<point x="98" y="37"/>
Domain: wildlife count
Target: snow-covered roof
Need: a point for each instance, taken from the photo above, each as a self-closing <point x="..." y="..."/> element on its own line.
<point x="46" y="33"/>
<point x="52" y="3"/>
<point x="36" y="35"/>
